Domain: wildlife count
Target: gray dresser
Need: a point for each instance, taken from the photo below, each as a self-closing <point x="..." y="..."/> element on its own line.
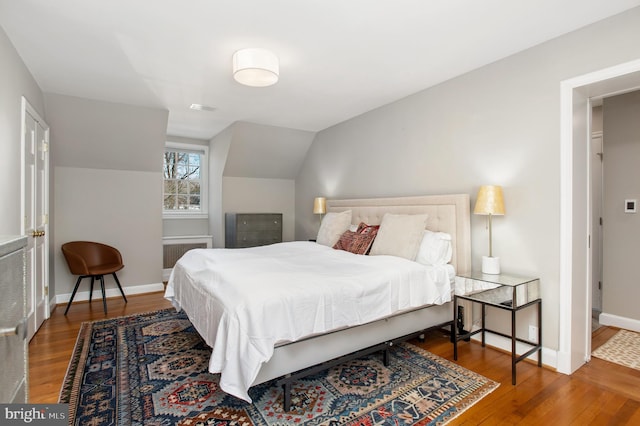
<point x="13" y="344"/>
<point x="252" y="229"/>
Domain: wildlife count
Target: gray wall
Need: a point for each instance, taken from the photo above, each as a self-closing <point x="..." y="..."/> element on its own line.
<point x="596" y="119"/>
<point x="499" y="124"/>
<point x="253" y="195"/>
<point x="253" y="169"/>
<point x="621" y="243"/>
<point x="15" y="82"/>
<point x="108" y="183"/>
<point x="218" y="153"/>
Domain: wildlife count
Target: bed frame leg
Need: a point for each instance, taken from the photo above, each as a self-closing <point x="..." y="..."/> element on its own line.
<point x="286" y="392"/>
<point x="385" y="354"/>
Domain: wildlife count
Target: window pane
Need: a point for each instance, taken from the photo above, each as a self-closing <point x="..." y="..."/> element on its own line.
<point x="182" y="172"/>
<point x="169" y="202"/>
<point x="169" y="187"/>
<point x="169" y="158"/>
<point x="194" y="159"/>
<point x="194" y="172"/>
<point x="194" y="202"/>
<point x="182" y="187"/>
<point x="168" y="165"/>
<point x="194" y="188"/>
<point x="183" y="202"/>
<point x="183" y="158"/>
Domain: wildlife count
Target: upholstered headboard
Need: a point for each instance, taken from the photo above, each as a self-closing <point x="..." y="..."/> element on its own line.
<point x="446" y="213"/>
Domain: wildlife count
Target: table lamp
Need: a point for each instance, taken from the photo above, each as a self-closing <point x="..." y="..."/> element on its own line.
<point x="320" y="206"/>
<point x="490" y="202"/>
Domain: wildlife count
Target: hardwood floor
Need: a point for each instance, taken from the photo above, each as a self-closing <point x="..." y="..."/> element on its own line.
<point x="599" y="393"/>
<point x="51" y="347"/>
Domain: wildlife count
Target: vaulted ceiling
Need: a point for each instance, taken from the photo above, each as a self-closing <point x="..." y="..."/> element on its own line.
<point x="338" y="58"/>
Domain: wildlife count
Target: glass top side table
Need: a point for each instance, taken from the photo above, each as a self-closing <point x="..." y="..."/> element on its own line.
<point x="505" y="292"/>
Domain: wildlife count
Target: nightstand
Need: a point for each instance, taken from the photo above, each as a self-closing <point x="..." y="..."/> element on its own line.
<point x="504" y="292"/>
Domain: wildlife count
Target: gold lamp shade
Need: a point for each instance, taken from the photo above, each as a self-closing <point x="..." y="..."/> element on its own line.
<point x="490" y="201"/>
<point x="319" y="205"/>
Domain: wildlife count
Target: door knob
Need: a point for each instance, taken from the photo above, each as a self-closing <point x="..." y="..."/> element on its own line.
<point x="19" y="330"/>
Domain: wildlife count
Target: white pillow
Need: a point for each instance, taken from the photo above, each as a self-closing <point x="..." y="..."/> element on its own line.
<point x="399" y="235"/>
<point x="332" y="227"/>
<point x="435" y="248"/>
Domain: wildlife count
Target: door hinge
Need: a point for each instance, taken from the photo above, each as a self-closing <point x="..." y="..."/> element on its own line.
<point x="46" y="291"/>
<point x="45" y="147"/>
<point x="599" y="285"/>
<point x="600" y="221"/>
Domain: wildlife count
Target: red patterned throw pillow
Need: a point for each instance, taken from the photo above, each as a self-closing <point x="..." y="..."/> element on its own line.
<point x="345" y="241"/>
<point x="360" y="241"/>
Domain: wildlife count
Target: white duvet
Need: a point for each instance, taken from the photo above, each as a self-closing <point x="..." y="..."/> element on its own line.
<point x="243" y="302"/>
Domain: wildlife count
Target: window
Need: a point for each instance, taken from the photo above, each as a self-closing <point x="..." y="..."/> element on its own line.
<point x="185" y="180"/>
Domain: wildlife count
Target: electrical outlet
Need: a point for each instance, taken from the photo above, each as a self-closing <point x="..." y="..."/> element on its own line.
<point x="533" y="334"/>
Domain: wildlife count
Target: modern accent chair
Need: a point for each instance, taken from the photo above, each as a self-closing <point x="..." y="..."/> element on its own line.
<point x="92" y="260"/>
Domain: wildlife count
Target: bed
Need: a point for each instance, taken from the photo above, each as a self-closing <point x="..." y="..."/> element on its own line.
<point x="245" y="350"/>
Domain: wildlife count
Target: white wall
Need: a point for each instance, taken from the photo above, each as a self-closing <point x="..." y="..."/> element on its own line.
<point x="621" y="230"/>
<point x="252" y="195"/>
<point x="499" y="124"/>
<point x="108" y="184"/>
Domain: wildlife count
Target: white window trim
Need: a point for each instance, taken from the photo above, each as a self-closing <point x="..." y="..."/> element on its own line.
<point x="204" y="184"/>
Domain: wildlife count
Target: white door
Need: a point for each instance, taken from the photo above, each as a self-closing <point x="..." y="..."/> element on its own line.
<point x="596" y="221"/>
<point x="35" y="213"/>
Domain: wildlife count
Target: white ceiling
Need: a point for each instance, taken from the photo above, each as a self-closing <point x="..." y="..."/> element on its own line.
<point x="338" y="58"/>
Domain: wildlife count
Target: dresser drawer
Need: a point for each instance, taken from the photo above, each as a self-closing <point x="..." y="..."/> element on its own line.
<point x="254" y="238"/>
<point x="258" y="222"/>
<point x="252" y="229"/>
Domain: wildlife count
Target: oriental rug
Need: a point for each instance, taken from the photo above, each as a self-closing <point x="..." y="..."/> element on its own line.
<point x="151" y="369"/>
<point x="623" y="348"/>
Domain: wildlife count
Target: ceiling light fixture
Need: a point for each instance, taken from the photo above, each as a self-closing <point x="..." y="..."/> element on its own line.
<point x="255" y="67"/>
<point x="200" y="107"/>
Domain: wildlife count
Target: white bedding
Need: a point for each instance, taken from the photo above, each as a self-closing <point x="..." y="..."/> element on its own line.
<point x="243" y="302"/>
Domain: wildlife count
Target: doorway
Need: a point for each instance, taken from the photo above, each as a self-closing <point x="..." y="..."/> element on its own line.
<point x="35" y="215"/>
<point x="575" y="213"/>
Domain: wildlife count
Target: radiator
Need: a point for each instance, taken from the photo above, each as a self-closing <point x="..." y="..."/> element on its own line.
<point x="174" y="247"/>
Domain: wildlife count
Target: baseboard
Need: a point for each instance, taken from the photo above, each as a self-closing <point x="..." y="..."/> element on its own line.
<point x="549" y="356"/>
<point x="110" y="292"/>
<point x="620" y="322"/>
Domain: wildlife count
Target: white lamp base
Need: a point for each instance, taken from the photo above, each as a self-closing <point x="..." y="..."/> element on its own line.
<point x="490" y="265"/>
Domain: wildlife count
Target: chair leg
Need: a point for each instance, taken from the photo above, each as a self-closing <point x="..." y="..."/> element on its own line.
<point x="73" y="293"/>
<point x="104" y="299"/>
<point x="120" y="287"/>
<point x="91" y="290"/>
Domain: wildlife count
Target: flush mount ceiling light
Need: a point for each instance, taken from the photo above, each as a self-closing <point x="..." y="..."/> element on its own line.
<point x="255" y="67"/>
<point x="200" y="107"/>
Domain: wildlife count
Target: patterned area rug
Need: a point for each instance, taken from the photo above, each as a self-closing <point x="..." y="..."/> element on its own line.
<point x="623" y="348"/>
<point x="151" y="369"/>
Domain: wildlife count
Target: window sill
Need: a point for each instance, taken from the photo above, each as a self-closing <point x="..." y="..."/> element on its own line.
<point x="185" y="216"/>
